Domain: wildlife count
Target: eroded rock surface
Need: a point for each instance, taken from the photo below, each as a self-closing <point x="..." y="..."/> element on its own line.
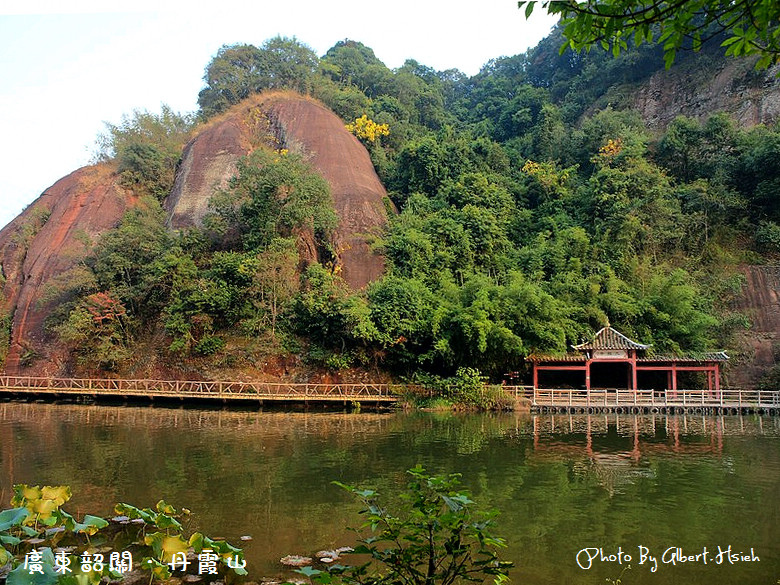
<point x="761" y="344"/>
<point x="299" y="124"/>
<point x="208" y="162"/>
<point x="339" y="157"/>
<point x="697" y="89"/>
<point x="45" y="240"/>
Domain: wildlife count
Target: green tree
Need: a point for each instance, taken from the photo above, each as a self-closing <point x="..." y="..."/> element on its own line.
<point x="352" y="63"/>
<point x="147" y="147"/>
<point x="276" y="194"/>
<point x="676" y="315"/>
<point x="287" y="63"/>
<point x="232" y="75"/>
<point x="329" y="314"/>
<point x="403" y="310"/>
<point x="126" y="259"/>
<point x="751" y="27"/>
<point x="276" y="280"/>
<point x="97" y="331"/>
<point x="633" y="208"/>
<point x="757" y="174"/>
<point x="238" y="71"/>
<point x="691" y="150"/>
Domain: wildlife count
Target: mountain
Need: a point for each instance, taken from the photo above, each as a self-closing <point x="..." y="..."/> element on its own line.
<point x="750" y="97"/>
<point x="43" y="242"/>
<point x="54" y="233"/>
<point x="379" y="222"/>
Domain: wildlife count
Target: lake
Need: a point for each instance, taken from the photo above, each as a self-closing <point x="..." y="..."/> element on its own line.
<point x="627" y="485"/>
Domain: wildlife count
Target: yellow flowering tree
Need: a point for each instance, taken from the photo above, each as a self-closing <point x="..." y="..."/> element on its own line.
<point x="368" y="130"/>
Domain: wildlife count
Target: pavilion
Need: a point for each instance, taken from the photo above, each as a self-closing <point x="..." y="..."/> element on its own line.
<point x="612" y="360"/>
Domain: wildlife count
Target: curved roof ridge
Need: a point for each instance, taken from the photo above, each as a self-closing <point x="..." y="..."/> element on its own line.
<point x="609" y="338"/>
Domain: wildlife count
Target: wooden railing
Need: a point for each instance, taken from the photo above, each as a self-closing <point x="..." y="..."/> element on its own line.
<point x="201" y="389"/>
<point x="728" y="398"/>
<point x="226" y="390"/>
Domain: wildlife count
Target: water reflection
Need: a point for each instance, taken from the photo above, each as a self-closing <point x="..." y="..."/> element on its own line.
<point x="562" y="482"/>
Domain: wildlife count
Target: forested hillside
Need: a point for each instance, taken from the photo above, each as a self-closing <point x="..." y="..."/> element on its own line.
<point x="528" y="206"/>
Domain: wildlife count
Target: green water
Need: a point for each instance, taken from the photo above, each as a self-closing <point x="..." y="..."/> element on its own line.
<point x="562" y="483"/>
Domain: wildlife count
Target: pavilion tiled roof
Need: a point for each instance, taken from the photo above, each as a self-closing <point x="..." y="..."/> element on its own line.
<point x="693" y="357"/>
<point x="608" y="338"/>
<point x="688" y="358"/>
<point x="568" y="357"/>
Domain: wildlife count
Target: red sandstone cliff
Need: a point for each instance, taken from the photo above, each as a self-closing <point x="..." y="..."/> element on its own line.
<point x="299" y="124"/>
<point x="47" y="239"/>
<point x="760" y="301"/>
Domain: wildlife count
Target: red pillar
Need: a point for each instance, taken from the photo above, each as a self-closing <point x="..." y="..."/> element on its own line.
<point x="536" y="375"/>
<point x="633" y="370"/>
<point x="587" y="375"/>
<point x="674" y="377"/>
<point x="717" y="378"/>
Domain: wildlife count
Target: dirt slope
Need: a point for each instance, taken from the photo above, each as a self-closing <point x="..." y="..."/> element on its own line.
<point x="47" y="239"/>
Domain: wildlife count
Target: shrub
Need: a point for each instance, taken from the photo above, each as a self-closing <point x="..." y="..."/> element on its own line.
<point x="435" y="539"/>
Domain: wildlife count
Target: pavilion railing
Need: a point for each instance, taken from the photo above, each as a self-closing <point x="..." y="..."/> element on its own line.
<point x="730" y="398"/>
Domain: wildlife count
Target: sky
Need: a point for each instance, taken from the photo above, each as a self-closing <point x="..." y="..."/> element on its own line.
<point x="67" y="67"/>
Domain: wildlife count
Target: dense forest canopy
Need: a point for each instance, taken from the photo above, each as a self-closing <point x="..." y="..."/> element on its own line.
<point x="530" y="213"/>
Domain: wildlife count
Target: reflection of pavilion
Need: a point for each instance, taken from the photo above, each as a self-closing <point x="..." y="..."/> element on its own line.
<point x="591" y="444"/>
<point x="612" y="360"/>
<point x="636" y="435"/>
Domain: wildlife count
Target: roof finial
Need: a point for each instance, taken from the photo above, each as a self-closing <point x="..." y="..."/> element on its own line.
<point x="608" y="325"/>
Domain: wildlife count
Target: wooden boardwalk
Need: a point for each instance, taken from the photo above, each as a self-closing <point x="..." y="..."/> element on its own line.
<point x="200" y="390"/>
<point x="541" y="400"/>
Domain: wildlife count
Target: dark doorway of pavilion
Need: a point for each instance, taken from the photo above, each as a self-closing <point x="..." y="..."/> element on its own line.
<point x="562" y="379"/>
<point x="653" y="380"/>
<point x="610" y="375"/>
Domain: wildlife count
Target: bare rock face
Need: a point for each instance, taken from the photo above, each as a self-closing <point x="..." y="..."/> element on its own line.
<point x="698" y="88"/>
<point x="761" y="344"/>
<point x="358" y="195"/>
<point x="208" y="162"/>
<point x="47" y="239"/>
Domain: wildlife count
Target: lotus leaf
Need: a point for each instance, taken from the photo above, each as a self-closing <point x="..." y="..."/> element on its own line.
<point x="23" y="493"/>
<point x="21" y="576"/>
<point x="158" y="569"/>
<point x="8" y="539"/>
<point x="13" y="517"/>
<point x="147" y="515"/>
<point x="164" y="508"/>
<point x="165" y="546"/>
<point x="58" y="494"/>
<point x="90" y="525"/>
